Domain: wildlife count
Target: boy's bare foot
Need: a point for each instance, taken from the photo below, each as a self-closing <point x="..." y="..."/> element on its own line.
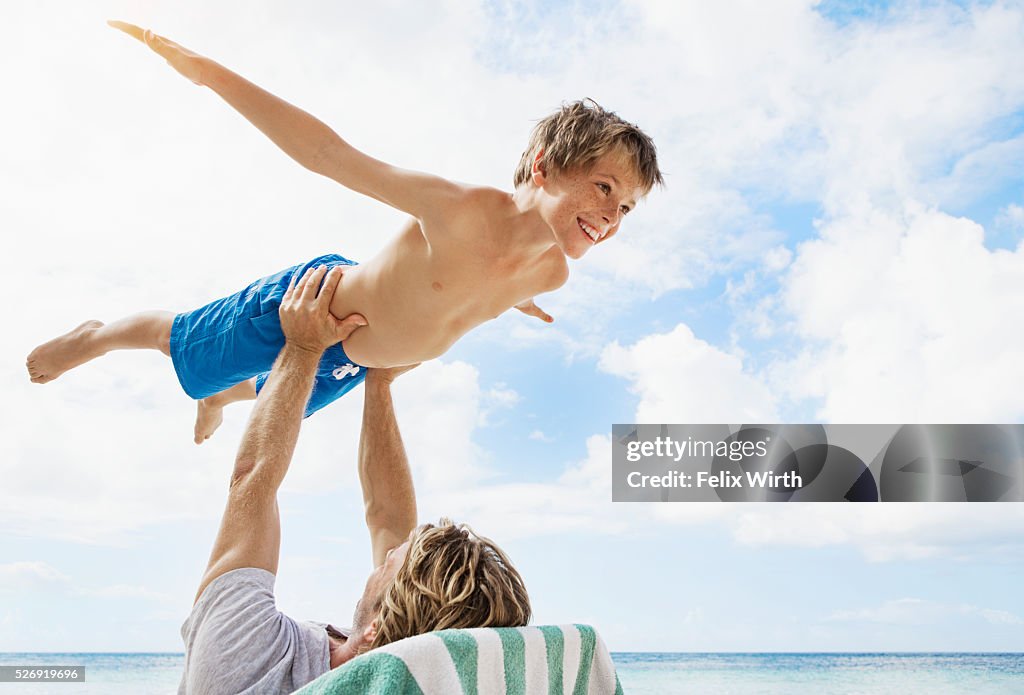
<point x="209" y="415"/>
<point x="50" y="360"/>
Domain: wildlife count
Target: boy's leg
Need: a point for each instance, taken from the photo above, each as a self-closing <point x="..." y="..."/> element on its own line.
<point x="210" y="410"/>
<point x="148" y="330"/>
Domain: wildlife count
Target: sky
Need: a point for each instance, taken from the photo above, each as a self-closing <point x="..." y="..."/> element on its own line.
<point x="839" y="240"/>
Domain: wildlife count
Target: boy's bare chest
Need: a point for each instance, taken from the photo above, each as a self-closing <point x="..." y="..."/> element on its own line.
<point x="420" y="297"/>
<point x="478" y="266"/>
<point x="483" y="282"/>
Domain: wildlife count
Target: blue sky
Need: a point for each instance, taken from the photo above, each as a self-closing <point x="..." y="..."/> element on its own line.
<point x="839" y="240"/>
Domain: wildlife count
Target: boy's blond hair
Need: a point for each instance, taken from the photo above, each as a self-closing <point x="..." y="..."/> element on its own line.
<point x="575" y="136"/>
<point x="451" y="578"/>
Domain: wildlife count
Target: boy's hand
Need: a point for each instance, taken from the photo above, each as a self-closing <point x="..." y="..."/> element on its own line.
<point x="387" y="375"/>
<point x="531" y="309"/>
<point x="306" y="319"/>
<point x="178" y="57"/>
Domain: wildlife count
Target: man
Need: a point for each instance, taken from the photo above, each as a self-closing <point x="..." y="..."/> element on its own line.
<point x="425" y="578"/>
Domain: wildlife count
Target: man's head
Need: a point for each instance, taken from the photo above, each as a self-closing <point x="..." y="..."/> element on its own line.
<point x="443" y="576"/>
<point x="592" y="168"/>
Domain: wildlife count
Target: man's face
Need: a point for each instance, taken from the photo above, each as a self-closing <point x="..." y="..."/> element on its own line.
<point x="378" y="582"/>
<point x="585" y="207"/>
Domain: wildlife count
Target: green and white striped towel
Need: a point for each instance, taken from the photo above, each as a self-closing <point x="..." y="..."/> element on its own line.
<point x="543" y="660"/>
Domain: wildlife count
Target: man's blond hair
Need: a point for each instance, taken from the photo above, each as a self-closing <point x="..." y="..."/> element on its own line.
<point x="451" y="578"/>
<point x="575" y="136"/>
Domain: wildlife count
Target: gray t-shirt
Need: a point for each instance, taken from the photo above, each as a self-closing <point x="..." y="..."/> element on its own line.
<point x="236" y="641"/>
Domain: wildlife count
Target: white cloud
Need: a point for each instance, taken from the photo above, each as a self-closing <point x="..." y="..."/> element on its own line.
<point x="41" y="576"/>
<point x="886" y="532"/>
<point x="998" y="617"/>
<point x="124" y="458"/>
<point x="906" y="318"/>
<point x="439" y="406"/>
<point x="105" y="452"/>
<point x="1012" y="217"/>
<point x="128" y="591"/>
<point x="777" y="259"/>
<point x="683" y="379"/>
<point x="579" y="500"/>
<point x="498" y="397"/>
<point x="539" y="436"/>
<point x="921" y="612"/>
<point x="977" y="172"/>
<point x="26" y="574"/>
<point x="501" y="396"/>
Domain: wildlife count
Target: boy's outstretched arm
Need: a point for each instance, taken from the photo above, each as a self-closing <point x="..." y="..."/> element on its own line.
<point x="302" y="136"/>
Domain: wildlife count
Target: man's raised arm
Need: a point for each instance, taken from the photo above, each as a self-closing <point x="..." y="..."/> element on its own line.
<point x="250" y="531"/>
<point x="388" y="493"/>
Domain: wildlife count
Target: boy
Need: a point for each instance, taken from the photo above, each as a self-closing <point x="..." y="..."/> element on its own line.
<point x="467" y="253"/>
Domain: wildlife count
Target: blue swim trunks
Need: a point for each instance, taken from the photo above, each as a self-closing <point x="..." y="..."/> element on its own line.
<point x="233" y="339"/>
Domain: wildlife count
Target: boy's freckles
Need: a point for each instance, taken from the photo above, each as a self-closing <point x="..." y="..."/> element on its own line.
<point x="589" y="205"/>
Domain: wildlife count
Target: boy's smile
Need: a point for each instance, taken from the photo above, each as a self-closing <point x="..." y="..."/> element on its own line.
<point x="590" y="230"/>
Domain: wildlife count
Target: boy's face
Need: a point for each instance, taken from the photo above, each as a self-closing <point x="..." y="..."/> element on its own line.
<point x="585" y="207"/>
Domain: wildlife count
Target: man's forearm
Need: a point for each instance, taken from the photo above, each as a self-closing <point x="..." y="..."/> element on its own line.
<point x="269" y="439"/>
<point x="302" y="136"/>
<point x="388" y="493"/>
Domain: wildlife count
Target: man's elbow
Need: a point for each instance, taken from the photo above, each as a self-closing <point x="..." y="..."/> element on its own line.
<point x="243" y="472"/>
<point x="374" y="515"/>
<point x="384" y="519"/>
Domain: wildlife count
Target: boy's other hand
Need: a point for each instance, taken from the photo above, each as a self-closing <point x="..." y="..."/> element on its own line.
<point x="186" y="62"/>
<point x="306" y="319"/>
<point x="530" y="309"/>
<point x="387" y="375"/>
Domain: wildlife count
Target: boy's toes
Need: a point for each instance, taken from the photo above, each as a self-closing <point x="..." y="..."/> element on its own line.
<point x="208" y="419"/>
<point x="35" y="374"/>
<point x="199" y="435"/>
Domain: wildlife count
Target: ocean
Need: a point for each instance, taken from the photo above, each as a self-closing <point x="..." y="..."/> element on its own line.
<point x="821" y="674"/>
<point x="640" y="674"/>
